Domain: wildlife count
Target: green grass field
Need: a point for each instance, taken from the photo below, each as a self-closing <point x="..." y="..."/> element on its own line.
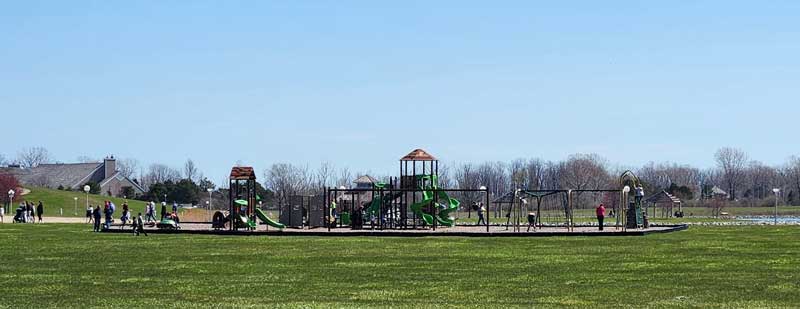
<point x="54" y="200"/>
<point x="64" y="265"/>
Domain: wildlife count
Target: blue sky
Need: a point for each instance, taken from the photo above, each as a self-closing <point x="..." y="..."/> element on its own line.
<point x="361" y="83"/>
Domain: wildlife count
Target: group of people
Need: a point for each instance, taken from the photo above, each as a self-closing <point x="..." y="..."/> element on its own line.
<point x="26" y="213"/>
<point x="95" y="214"/>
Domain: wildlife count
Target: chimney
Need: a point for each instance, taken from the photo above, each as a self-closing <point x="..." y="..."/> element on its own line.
<point x="110" y="165"/>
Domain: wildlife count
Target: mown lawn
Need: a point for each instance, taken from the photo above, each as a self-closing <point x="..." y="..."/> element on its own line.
<point x="64" y="265"/>
<point x="56" y="200"/>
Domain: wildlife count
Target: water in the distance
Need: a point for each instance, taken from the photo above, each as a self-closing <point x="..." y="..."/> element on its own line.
<point x="771" y="220"/>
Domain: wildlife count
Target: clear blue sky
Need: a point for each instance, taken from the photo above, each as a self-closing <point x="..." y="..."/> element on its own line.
<point x="361" y="83"/>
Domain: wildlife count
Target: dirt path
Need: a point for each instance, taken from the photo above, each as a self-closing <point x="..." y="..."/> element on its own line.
<point x="9" y="219"/>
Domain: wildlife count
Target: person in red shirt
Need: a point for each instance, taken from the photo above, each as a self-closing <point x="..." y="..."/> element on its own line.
<point x="601" y="214"/>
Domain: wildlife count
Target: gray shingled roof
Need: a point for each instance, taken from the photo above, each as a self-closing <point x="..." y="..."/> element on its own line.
<point x="365" y="179"/>
<point x="53" y="175"/>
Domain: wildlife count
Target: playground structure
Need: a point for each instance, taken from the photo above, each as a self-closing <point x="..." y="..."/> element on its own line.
<point x="536" y="209"/>
<point x="242" y="210"/>
<point x="414" y="200"/>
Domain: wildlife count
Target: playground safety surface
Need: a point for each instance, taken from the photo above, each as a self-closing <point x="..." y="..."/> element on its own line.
<point x="464" y="231"/>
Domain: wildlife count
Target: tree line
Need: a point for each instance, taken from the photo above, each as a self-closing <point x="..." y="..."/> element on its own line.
<point x="747" y="182"/>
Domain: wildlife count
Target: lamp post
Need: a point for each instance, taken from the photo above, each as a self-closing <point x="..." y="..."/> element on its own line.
<point x="776" y="191"/>
<point x="624" y="208"/>
<point x="76" y="205"/>
<point x="10" y="201"/>
<point x="208" y="203"/>
<point x="86" y="189"/>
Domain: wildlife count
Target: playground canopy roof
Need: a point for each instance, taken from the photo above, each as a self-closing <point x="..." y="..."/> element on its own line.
<point x="418" y="155"/>
<point x="243" y="173"/>
<point x="662" y="197"/>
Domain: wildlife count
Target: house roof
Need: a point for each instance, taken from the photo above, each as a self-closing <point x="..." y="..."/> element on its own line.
<point x="53" y="175"/>
<point x="243" y="173"/>
<point x="365" y="179"/>
<point x="718" y="191"/>
<point x="118" y="176"/>
<point x="662" y="197"/>
<point x="418" y="155"/>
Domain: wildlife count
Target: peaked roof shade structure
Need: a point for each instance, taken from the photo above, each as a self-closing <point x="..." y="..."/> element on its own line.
<point x="243" y="173"/>
<point x="662" y="197"/>
<point x="418" y="155"/>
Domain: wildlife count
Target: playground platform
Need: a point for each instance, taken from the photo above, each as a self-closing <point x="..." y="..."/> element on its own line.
<point x="459" y="231"/>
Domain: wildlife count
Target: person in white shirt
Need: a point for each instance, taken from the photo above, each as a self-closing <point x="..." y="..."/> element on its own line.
<point x="639" y="194"/>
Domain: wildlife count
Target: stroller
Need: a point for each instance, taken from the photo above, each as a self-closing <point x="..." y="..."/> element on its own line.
<point x="19" y="217"/>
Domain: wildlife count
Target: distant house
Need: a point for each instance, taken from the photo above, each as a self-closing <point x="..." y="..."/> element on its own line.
<point x="718" y="193"/>
<point x="75" y="175"/>
<point x="365" y="182"/>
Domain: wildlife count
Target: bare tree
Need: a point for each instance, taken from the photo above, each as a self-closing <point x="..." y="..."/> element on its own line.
<point x="324" y="175"/>
<point x="286" y="180"/>
<point x="445" y="177"/>
<point x="534" y="172"/>
<point x="3" y="160"/>
<point x="585" y="171"/>
<point x="190" y="170"/>
<point x="518" y="174"/>
<point x="732" y="163"/>
<point x="345" y="177"/>
<point x="159" y="173"/>
<point x="760" y="179"/>
<point x="467" y="177"/>
<point x="33" y="157"/>
<point x="791" y="175"/>
<point x="128" y="167"/>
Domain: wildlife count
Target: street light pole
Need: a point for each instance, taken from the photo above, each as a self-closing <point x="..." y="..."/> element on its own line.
<point x="10" y="201"/>
<point x="208" y="203"/>
<point x="777" y="191"/>
<point x="86" y="189"/>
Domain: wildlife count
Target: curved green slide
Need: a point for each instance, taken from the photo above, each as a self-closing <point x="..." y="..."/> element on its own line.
<point x="427" y="198"/>
<point x="451" y="205"/>
<point x="443" y="217"/>
<point x="261" y="215"/>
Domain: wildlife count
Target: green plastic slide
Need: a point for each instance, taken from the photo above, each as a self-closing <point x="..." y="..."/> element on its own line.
<point x="443" y="216"/>
<point x="450" y="206"/>
<point x="263" y="217"/>
<point x="427" y="198"/>
<point x="243" y="222"/>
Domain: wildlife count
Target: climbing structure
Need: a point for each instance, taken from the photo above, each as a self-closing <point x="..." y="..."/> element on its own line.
<point x="419" y="170"/>
<point x="415" y="199"/>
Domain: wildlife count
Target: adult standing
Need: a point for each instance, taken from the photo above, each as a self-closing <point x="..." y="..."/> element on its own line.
<point x="3" y="212"/>
<point x="139" y="225"/>
<point x="107" y="224"/>
<point x="96" y="217"/>
<point x="175" y="207"/>
<point x="600" y="211"/>
<point x="147" y="211"/>
<point x="163" y="210"/>
<point x="481" y="214"/>
<point x="40" y="211"/>
<point x="29" y="212"/>
<point x="89" y="211"/>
